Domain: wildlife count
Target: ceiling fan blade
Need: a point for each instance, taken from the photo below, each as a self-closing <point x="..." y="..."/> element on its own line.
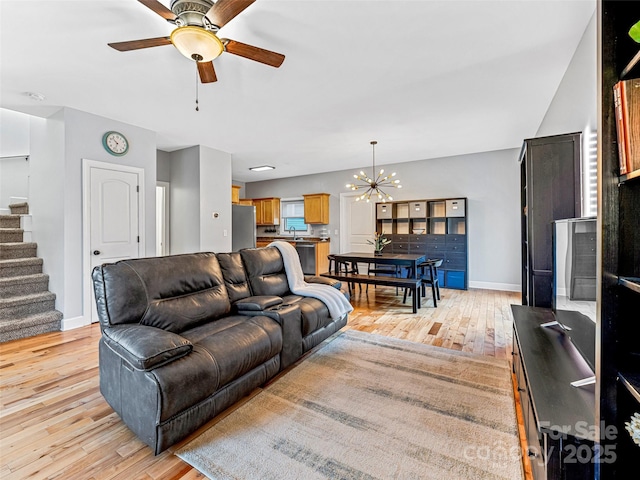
<point x="160" y="9"/>
<point x="138" y="44"/>
<point x="207" y="72"/>
<point x="223" y="11"/>
<point x="253" y="53"/>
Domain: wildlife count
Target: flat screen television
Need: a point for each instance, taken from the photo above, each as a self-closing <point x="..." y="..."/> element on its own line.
<point x="574" y="281"/>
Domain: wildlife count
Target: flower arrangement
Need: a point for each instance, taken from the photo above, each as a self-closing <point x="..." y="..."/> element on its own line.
<point x="379" y="242"/>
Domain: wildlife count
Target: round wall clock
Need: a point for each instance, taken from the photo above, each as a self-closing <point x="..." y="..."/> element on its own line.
<point x="115" y="143"/>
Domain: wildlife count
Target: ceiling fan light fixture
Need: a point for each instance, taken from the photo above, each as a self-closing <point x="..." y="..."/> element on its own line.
<point x="197" y="43"/>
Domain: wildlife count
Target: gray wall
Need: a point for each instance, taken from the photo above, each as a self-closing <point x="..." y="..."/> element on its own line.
<point x="58" y="145"/>
<point x="200" y="186"/>
<point x="489" y="180"/>
<point x="574" y="106"/>
<point x="163" y="170"/>
<point x="14" y="141"/>
<point x="185" y="200"/>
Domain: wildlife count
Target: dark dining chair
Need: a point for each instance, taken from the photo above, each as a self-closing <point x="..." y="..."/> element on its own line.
<point x="388" y="270"/>
<point x="343" y="267"/>
<point x="428" y="272"/>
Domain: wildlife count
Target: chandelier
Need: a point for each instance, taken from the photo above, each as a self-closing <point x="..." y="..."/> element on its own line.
<point x="374" y="187"/>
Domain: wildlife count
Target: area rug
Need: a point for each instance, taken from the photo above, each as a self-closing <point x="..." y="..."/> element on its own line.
<point x="371" y="407"/>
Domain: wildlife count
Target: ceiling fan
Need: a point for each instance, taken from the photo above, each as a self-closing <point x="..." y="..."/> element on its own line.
<point x="197" y="23"/>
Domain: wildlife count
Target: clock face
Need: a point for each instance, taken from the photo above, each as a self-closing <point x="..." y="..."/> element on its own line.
<point x="115" y="143"/>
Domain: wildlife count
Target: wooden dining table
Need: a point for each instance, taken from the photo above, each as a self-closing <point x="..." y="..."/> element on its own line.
<point x="409" y="260"/>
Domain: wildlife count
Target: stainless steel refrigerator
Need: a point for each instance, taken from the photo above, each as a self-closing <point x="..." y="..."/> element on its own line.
<point x="243" y="227"/>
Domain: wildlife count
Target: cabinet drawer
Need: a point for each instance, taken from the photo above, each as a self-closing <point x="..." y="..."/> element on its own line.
<point x="422" y="239"/>
<point x="456" y="261"/>
<point x="454" y="239"/>
<point x="400" y="238"/>
<point x="432" y="239"/>
<point x="417" y="248"/>
<point x="400" y="247"/>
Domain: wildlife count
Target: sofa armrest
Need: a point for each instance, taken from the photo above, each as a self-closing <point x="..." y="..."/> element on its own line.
<point x="257" y="303"/>
<point x="324" y="281"/>
<point x="144" y="347"/>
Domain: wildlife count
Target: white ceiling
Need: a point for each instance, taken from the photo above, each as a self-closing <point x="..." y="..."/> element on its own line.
<point x="424" y="78"/>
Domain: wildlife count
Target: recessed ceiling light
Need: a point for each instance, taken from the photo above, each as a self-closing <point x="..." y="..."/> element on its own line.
<point x="262" y="168"/>
<point x="38" y="97"/>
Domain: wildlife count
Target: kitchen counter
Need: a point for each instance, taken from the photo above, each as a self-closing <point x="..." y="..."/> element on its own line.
<point x="290" y="239"/>
<point x="314" y="251"/>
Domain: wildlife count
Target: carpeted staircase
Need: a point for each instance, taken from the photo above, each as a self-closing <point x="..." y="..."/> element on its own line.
<point x="27" y="307"/>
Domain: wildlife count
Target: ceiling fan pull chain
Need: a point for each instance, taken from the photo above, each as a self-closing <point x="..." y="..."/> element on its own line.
<point x="197" y="107"/>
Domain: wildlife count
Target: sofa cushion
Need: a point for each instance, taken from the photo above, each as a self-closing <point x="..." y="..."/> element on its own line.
<point x="173" y="293"/>
<point x="238" y="343"/>
<point x="234" y="276"/>
<point x="265" y="271"/>
<point x="315" y="314"/>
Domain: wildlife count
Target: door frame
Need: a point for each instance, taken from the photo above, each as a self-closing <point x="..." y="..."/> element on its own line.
<point x="343" y="218"/>
<point x="167" y="218"/>
<point x="87" y="165"/>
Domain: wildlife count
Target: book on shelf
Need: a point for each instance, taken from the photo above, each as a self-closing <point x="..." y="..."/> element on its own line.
<point x="627" y="113"/>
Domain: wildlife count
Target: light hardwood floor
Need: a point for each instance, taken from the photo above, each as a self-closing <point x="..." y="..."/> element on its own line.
<point x="55" y="424"/>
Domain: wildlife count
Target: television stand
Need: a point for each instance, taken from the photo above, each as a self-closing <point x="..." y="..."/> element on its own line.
<point x="559" y="420"/>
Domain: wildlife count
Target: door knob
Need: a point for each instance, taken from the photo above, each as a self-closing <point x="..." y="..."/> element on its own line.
<point x="96" y="252"/>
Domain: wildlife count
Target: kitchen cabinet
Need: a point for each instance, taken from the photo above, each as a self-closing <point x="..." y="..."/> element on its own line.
<point x="235" y="193"/>
<point x="245" y="201"/>
<point x="267" y="211"/>
<point x="316" y="209"/>
<point x="322" y="260"/>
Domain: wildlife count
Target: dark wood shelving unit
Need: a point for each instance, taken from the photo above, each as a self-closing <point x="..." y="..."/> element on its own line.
<point x="436" y="227"/>
<point x="550" y="190"/>
<point x="618" y="351"/>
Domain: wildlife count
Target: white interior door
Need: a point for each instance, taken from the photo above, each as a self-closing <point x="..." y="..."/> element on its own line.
<point x="357" y="224"/>
<point x="113" y="217"/>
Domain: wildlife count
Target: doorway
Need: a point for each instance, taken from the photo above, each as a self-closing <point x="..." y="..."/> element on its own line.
<point x="357" y="224"/>
<point x="162" y="219"/>
<point x="113" y="220"/>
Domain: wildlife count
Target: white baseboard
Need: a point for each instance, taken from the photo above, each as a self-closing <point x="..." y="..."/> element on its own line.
<point x="75" y="322"/>
<point x="506" y="287"/>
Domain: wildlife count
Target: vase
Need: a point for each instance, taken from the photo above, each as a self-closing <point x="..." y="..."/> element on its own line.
<point x="377" y="252"/>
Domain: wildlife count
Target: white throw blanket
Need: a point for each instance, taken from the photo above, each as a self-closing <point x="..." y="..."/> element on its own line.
<point x="333" y="298"/>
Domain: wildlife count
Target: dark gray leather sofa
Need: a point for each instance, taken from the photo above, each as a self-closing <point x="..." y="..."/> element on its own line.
<point x="186" y="336"/>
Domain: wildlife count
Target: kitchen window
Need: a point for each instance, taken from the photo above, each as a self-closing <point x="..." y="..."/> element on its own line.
<point x="292" y="212"/>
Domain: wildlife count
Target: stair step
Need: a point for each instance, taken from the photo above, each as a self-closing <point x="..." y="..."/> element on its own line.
<point x="32" y="304"/>
<point x="8" y="235"/>
<point x="15" y="250"/>
<point x="19" y="208"/>
<point x="9" y="221"/>
<point x="30" y="325"/>
<point x="17" y="267"/>
<point x="24" y="285"/>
